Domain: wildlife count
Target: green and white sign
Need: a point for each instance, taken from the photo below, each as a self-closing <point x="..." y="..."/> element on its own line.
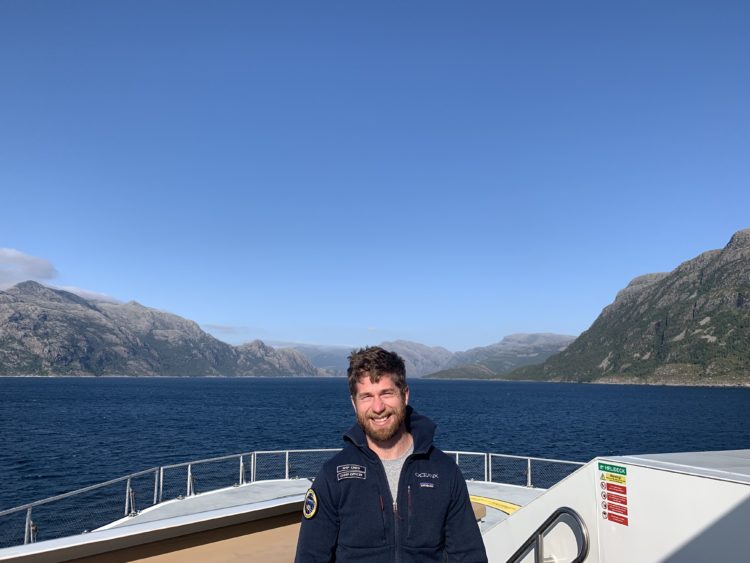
<point x="609" y="468"/>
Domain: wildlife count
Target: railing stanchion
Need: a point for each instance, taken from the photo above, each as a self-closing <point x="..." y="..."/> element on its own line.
<point x="242" y="470"/>
<point x="156" y="485"/>
<point x="286" y="465"/>
<point x="489" y="466"/>
<point x="456" y="458"/>
<point x="539" y="551"/>
<point x="27" y="538"/>
<point x="161" y="483"/>
<point x="486" y="467"/>
<point x="127" y="497"/>
<point x="253" y="467"/>
<point x="189" y="487"/>
<point x="528" y="472"/>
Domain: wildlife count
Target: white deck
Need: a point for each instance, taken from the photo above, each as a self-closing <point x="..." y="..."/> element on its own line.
<point x="294" y="489"/>
<point x="228" y="506"/>
<point x="231" y="497"/>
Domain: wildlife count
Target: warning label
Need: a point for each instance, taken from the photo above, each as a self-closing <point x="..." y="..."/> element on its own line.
<point x="617" y="518"/>
<point x="617" y="488"/>
<point x="617" y="508"/>
<point x="614" y="493"/>
<point x="621" y="479"/>
<point x="617" y="498"/>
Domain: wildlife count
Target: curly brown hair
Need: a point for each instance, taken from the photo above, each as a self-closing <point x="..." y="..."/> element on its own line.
<point x="375" y="362"/>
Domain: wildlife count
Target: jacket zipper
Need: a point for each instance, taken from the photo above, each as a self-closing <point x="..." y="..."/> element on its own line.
<point x="396" y="515"/>
<point x="408" y="511"/>
<point x="396" y="526"/>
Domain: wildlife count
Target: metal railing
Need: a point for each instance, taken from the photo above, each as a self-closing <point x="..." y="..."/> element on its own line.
<point x="512" y="469"/>
<point x="535" y="541"/>
<point x="76" y="517"/>
<point x="92" y="507"/>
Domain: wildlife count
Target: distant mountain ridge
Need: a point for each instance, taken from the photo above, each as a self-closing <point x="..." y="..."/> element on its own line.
<point x="435" y="361"/>
<point x="495" y="360"/>
<point x="420" y="359"/>
<point x="46" y="331"/>
<point x="688" y="326"/>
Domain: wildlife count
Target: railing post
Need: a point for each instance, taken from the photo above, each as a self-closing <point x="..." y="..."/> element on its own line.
<point x="27" y="536"/>
<point x="286" y="465"/>
<point x="456" y="458"/>
<point x="156" y="485"/>
<point x="242" y="470"/>
<point x="528" y="472"/>
<point x="127" y="497"/>
<point x="189" y="487"/>
<point x="161" y="483"/>
<point x="253" y="464"/>
<point x="486" y="467"/>
<point x="539" y="551"/>
<point x="489" y="466"/>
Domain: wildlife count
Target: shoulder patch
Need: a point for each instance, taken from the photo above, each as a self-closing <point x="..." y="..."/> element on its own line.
<point x="311" y="504"/>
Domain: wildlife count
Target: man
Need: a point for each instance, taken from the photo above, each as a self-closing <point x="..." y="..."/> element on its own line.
<point x="389" y="495"/>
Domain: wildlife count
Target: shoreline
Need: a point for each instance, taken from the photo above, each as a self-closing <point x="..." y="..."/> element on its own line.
<point x="740" y="385"/>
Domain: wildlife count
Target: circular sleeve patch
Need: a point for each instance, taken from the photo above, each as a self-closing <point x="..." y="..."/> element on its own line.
<point x="311" y="504"/>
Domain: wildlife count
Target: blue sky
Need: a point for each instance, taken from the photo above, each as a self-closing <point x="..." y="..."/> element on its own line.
<point x="354" y="172"/>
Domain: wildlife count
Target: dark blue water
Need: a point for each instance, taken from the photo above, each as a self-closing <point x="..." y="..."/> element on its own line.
<point x="59" y="434"/>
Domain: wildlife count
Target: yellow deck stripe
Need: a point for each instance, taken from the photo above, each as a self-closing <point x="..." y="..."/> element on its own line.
<point x="507" y="507"/>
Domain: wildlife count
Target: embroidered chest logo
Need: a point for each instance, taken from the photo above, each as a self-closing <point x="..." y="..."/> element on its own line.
<point x="351" y="471"/>
<point x="426" y="484"/>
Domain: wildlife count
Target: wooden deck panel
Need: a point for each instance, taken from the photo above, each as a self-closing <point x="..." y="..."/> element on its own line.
<point x="273" y="540"/>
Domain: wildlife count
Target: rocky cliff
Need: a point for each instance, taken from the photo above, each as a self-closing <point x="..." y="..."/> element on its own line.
<point x="46" y="331"/>
<point x="688" y="326"/>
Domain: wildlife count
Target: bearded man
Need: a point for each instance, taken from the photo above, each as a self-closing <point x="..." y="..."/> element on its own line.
<point x="389" y="495"/>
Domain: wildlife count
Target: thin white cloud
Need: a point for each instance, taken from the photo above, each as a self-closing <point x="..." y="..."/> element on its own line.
<point x="224" y="329"/>
<point x="15" y="267"/>
<point x="88" y="294"/>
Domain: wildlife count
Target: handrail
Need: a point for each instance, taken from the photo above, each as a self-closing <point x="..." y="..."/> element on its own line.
<point x="207" y="460"/>
<point x="539" y="459"/>
<point x="233" y="456"/>
<point x="537" y="538"/>
<point x="282" y="470"/>
<point x="76" y="492"/>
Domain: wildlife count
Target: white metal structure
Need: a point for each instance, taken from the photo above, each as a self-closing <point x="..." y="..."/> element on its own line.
<point x="688" y="507"/>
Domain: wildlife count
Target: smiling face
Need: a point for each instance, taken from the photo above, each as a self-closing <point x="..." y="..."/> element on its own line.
<point x="380" y="408"/>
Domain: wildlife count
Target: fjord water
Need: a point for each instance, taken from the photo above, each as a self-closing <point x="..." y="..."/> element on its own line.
<point x="59" y="434"/>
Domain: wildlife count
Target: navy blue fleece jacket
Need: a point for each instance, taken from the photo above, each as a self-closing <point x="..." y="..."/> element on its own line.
<point x="350" y="516"/>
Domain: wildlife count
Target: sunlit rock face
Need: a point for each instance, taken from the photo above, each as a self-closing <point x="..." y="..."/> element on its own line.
<point x="45" y="331"/>
<point x="688" y="326"/>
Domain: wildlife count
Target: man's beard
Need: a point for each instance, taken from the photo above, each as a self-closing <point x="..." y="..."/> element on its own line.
<point x="383" y="433"/>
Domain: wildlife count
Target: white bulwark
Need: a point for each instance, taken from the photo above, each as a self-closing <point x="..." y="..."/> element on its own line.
<point x="680" y="507"/>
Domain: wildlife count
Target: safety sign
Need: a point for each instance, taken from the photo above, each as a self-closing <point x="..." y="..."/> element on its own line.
<point x="614" y="493"/>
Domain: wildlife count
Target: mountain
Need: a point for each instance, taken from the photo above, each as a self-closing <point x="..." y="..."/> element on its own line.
<point x="688" y="326"/>
<point x="434" y="361"/>
<point x="330" y="360"/>
<point x="420" y="359"/>
<point x="498" y="359"/>
<point x="46" y="331"/>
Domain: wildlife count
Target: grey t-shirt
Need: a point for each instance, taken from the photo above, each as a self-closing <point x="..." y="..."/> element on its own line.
<point x="393" y="470"/>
